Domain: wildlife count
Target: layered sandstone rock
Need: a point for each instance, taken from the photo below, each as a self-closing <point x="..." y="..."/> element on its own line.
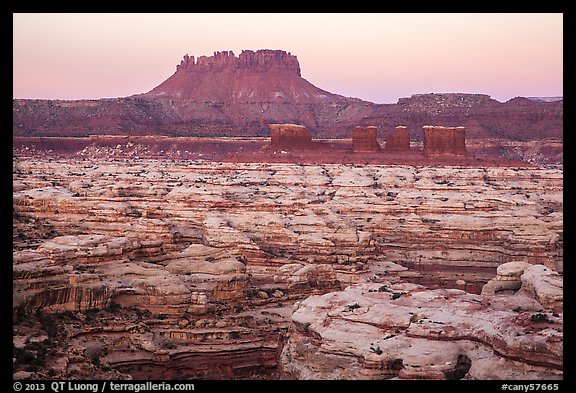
<point x="127" y="343"/>
<point x="403" y="331"/>
<point x="92" y="271"/>
<point x="365" y="139"/>
<point x="261" y="60"/>
<point x="290" y="137"/>
<point x="444" y="224"/>
<point x="211" y="256"/>
<point x="507" y="278"/>
<point x="440" y="140"/>
<point x="536" y="281"/>
<point x="545" y="285"/>
<point x="306" y="277"/>
<point x="398" y="140"/>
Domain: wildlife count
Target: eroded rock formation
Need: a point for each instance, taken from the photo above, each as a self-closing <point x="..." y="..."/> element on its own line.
<point x="226" y="95"/>
<point x="398" y="140"/>
<point x="290" y="137"/>
<point x="507" y="278"/>
<point x="263" y="76"/>
<point x="403" y="331"/>
<point x="365" y="139"/>
<point x="82" y="272"/>
<point x="439" y="140"/>
<point x="189" y="269"/>
<point x="537" y="281"/>
<point x="417" y="217"/>
<point x="261" y="60"/>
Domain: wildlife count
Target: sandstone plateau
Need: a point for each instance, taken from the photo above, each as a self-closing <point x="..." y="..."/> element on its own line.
<point x="159" y="269"/>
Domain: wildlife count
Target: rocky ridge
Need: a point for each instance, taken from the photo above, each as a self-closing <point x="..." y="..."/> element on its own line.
<point x="225" y="95"/>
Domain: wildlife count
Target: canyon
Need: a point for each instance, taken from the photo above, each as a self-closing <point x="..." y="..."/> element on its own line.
<point x="238" y="222"/>
<point x="172" y="268"/>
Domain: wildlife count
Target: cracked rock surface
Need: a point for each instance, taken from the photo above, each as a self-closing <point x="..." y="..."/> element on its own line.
<point x="191" y="269"/>
<point x="404" y="331"/>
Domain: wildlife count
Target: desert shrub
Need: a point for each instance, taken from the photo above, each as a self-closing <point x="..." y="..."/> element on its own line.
<point x="47" y="323"/>
<point x="113" y="307"/>
<point x="234" y="335"/>
<point x="96" y="360"/>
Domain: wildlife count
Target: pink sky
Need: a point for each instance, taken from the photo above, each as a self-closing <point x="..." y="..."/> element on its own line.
<point x="376" y="57"/>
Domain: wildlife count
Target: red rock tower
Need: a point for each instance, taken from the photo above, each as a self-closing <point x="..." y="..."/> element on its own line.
<point x="398" y="140"/>
<point x="439" y="140"/>
<point x="365" y="139"/>
<point x="290" y="137"/>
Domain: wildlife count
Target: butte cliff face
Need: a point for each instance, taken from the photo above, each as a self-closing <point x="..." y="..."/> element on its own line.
<point x="229" y="95"/>
<point x="290" y="136"/>
<point x="444" y="141"/>
<point x="262" y="76"/>
<point x="365" y="139"/>
<point x="399" y="139"/>
<point x="215" y="95"/>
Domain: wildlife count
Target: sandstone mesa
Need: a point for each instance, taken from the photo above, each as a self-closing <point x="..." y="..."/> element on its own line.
<point x="227" y="95"/>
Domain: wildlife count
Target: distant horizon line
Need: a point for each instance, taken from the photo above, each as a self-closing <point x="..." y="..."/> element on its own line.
<point x="553" y="98"/>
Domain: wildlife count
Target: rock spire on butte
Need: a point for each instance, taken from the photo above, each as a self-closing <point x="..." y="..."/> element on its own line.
<point x="264" y="75"/>
<point x="259" y="61"/>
